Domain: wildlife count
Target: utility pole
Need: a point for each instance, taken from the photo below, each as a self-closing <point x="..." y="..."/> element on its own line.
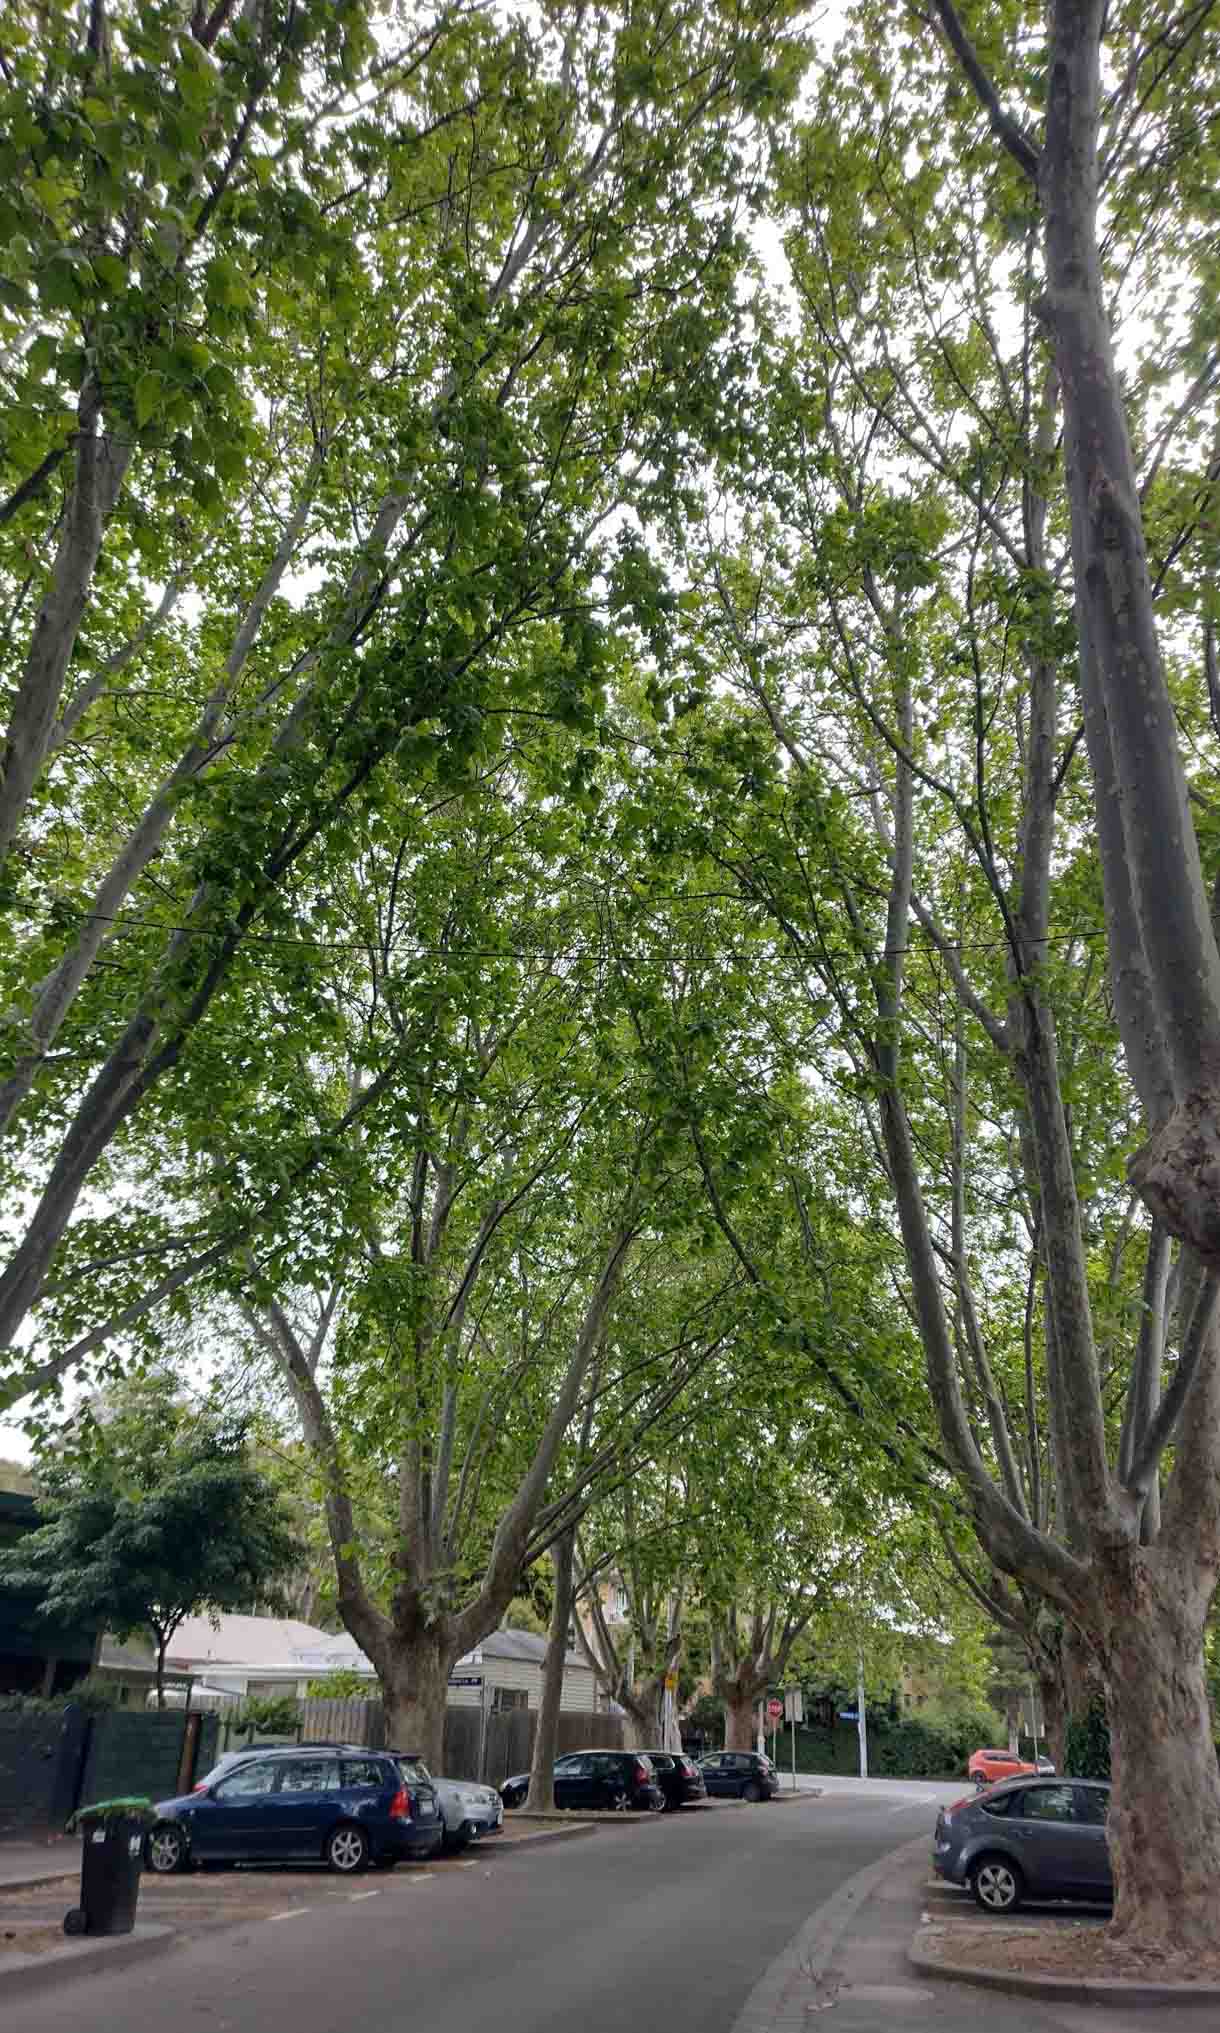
<point x="861" y="1717"/>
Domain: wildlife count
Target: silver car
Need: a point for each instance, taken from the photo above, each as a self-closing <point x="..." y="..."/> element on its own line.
<point x="1027" y="1839"/>
<point x="468" y="1808"/>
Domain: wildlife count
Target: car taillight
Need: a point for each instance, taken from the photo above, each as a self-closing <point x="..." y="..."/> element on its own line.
<point x="642" y="1775"/>
<point x="201" y="1786"/>
<point x="400" y="1805"/>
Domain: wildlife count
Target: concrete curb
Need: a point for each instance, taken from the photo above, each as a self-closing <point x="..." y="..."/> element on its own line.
<point x="801" y="1980"/>
<point x="35" y="1881"/>
<point x="592" y="1817"/>
<point x="25" y="1973"/>
<point x="1065" y="1990"/>
<point x="495" y="1845"/>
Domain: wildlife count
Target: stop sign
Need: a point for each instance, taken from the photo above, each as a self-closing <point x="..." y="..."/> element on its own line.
<point x="775" y="1709"/>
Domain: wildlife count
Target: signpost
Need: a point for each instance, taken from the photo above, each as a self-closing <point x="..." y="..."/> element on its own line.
<point x="794" y="1711"/>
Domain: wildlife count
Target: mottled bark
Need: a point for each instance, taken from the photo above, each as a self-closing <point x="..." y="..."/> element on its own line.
<point x="1164" y="1820"/>
<point x="414" y="1673"/>
<point x="740" y="1714"/>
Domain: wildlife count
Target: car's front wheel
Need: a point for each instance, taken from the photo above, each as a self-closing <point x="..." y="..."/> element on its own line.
<point x="997" y="1884"/>
<point x="165" y="1849"/>
<point x="347" y="1849"/>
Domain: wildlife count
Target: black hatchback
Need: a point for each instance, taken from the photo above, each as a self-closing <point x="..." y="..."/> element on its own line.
<point x="344" y="1808"/>
<point x="678" y="1777"/>
<point x="740" y="1775"/>
<point x="597" y="1780"/>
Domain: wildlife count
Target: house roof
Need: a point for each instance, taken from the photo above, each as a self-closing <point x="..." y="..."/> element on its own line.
<point x="523" y="1645"/>
<point x="230" y="1641"/>
<point x="280" y="1642"/>
<point x="527" y="1646"/>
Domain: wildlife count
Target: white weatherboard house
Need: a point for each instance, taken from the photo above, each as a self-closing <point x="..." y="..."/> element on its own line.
<point x="260" y="1656"/>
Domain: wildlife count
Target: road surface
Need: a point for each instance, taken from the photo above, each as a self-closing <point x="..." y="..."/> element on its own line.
<point x="670" y="1926"/>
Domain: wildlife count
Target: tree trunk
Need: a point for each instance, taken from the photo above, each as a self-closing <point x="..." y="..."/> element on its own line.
<point x="1081" y="1681"/>
<point x="1054" y="1715"/>
<point x="414" y="1687"/>
<point x="739" y="1722"/>
<point x="1164" y="1819"/>
<point x="541" y="1796"/>
<point x="161" y="1649"/>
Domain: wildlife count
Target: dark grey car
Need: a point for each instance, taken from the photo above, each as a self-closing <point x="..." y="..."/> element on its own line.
<point x="1027" y="1839"/>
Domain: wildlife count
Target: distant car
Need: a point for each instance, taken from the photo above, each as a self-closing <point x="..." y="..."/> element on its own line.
<point x="987" y="1768"/>
<point x="597" y="1780"/>
<point x="344" y="1808"/>
<point x="678" y="1777"/>
<point x="740" y="1775"/>
<point x="467" y="1809"/>
<point x="1023" y="1839"/>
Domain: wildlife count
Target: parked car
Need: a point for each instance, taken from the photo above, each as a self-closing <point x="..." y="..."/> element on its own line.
<point x="622" y="1780"/>
<point x="346" y="1808"/>
<point x="740" y="1775"/>
<point x="1019" y="1840"/>
<point x="678" y="1777"/>
<point x="468" y="1809"/>
<point x="987" y="1768"/>
<point x="228" y="1759"/>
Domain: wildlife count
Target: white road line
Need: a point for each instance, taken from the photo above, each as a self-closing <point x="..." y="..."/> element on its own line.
<point x="468" y="1867"/>
<point x="289" y="1913"/>
<point x="354" y="1896"/>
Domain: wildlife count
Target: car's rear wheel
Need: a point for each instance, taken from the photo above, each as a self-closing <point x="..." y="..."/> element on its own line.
<point x="751" y="1790"/>
<point x="621" y="1802"/>
<point x="997" y="1884"/>
<point x="347" y="1849"/>
<point x="165" y="1849"/>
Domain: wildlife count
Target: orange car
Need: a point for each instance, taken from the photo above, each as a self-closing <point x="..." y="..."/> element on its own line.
<point x="987" y="1768"/>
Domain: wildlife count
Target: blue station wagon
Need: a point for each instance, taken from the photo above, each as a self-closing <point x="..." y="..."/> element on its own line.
<point x="344" y="1808"/>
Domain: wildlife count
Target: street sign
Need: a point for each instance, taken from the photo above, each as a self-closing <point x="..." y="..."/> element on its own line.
<point x="465" y="1679"/>
<point x="775" y="1710"/>
<point x="794" y="1705"/>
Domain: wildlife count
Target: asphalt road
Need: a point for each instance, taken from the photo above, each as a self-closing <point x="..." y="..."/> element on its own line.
<point x="669" y="1926"/>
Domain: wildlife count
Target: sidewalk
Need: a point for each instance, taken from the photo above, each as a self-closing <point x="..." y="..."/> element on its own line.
<point x="851" y="1958"/>
<point x="38" y="1863"/>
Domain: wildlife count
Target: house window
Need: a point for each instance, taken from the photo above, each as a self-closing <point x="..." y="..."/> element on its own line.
<point x="504" y="1698"/>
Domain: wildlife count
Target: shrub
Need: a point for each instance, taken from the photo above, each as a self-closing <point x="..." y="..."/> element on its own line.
<point x="94" y="1693"/>
<point x="914" y="1750"/>
<point x="344" y="1684"/>
<point x="272" y="1715"/>
<point x="1087" y="1747"/>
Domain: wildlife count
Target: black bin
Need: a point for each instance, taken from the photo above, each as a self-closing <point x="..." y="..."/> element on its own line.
<point x="112" y="1856"/>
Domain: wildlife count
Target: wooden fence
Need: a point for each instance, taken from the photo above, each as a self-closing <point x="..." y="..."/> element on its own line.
<point x="487" y="1746"/>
